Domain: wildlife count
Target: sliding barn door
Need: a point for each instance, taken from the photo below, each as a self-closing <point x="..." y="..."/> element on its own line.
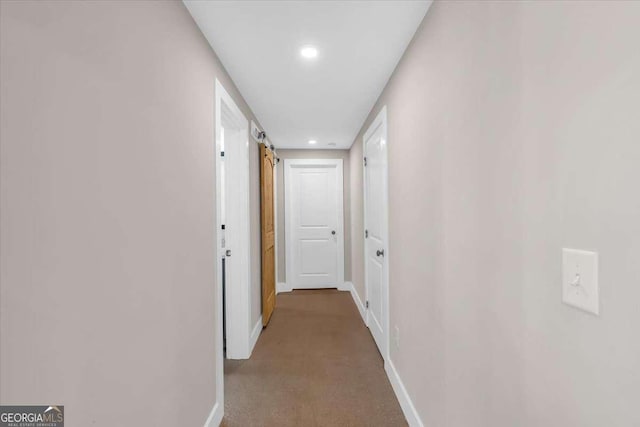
<point x="268" y="234"/>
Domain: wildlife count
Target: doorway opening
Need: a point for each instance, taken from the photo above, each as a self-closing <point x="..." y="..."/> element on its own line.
<point x="232" y="231"/>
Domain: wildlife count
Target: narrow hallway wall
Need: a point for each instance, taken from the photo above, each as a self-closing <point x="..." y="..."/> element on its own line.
<point x="107" y="282"/>
<point x="512" y="134"/>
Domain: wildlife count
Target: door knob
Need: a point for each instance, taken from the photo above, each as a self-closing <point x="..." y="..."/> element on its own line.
<point x="380" y="252"/>
<point x="333" y="232"/>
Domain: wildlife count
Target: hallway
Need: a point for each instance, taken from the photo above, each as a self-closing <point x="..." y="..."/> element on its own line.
<point x="315" y="364"/>
<point x="175" y="175"/>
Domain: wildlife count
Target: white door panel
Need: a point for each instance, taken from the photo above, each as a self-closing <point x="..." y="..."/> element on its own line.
<point x="313" y="193"/>
<point x="317" y="257"/>
<point x="375" y="270"/>
<point x="314" y="223"/>
<point x="376" y="245"/>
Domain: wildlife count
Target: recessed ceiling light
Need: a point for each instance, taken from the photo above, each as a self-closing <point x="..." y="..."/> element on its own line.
<point x="312" y="141"/>
<point x="309" y="52"/>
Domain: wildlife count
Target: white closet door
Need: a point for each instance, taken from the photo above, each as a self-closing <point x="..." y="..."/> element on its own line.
<point x="314" y="223"/>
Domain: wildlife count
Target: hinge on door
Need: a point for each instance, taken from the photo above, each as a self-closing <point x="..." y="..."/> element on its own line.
<point x="366" y="234"/>
<point x="367" y="304"/>
<point x="365" y="161"/>
<point x="222" y="154"/>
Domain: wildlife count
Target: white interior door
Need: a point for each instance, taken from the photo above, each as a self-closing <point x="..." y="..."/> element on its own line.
<point x="314" y="223"/>
<point x="375" y="223"/>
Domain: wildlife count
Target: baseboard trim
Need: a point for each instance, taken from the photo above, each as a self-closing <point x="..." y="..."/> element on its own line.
<point x="356" y="298"/>
<point x="282" y="287"/>
<point x="215" y="417"/>
<point x="346" y="286"/>
<point x="406" y="404"/>
<point x="410" y="413"/>
<point x="255" y="334"/>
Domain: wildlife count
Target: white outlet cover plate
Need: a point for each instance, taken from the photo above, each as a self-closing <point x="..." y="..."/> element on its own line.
<point x="585" y="295"/>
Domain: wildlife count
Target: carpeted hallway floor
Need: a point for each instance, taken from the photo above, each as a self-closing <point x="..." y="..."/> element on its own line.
<point x="314" y="365"/>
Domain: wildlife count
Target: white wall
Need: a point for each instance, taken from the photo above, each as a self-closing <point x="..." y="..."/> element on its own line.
<point x="581" y="173"/>
<point x="513" y="132"/>
<point x="107" y="205"/>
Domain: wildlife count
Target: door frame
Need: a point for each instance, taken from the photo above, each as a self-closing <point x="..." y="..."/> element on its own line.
<point x="238" y="298"/>
<point x="379" y="121"/>
<point x="289" y="164"/>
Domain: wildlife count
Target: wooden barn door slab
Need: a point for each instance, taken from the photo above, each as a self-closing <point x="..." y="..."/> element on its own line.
<point x="268" y="234"/>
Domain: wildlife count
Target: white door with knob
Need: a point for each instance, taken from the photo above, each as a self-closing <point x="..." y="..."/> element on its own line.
<point x="314" y="225"/>
<point x="375" y="224"/>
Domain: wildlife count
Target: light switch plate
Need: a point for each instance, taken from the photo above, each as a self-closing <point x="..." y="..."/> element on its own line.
<point x="580" y="280"/>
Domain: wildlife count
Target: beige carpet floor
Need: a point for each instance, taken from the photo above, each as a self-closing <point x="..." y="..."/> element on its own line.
<point x="316" y="364"/>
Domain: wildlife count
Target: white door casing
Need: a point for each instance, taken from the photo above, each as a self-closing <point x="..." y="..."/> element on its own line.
<point x="233" y="126"/>
<point x="376" y="231"/>
<point x="314" y="224"/>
